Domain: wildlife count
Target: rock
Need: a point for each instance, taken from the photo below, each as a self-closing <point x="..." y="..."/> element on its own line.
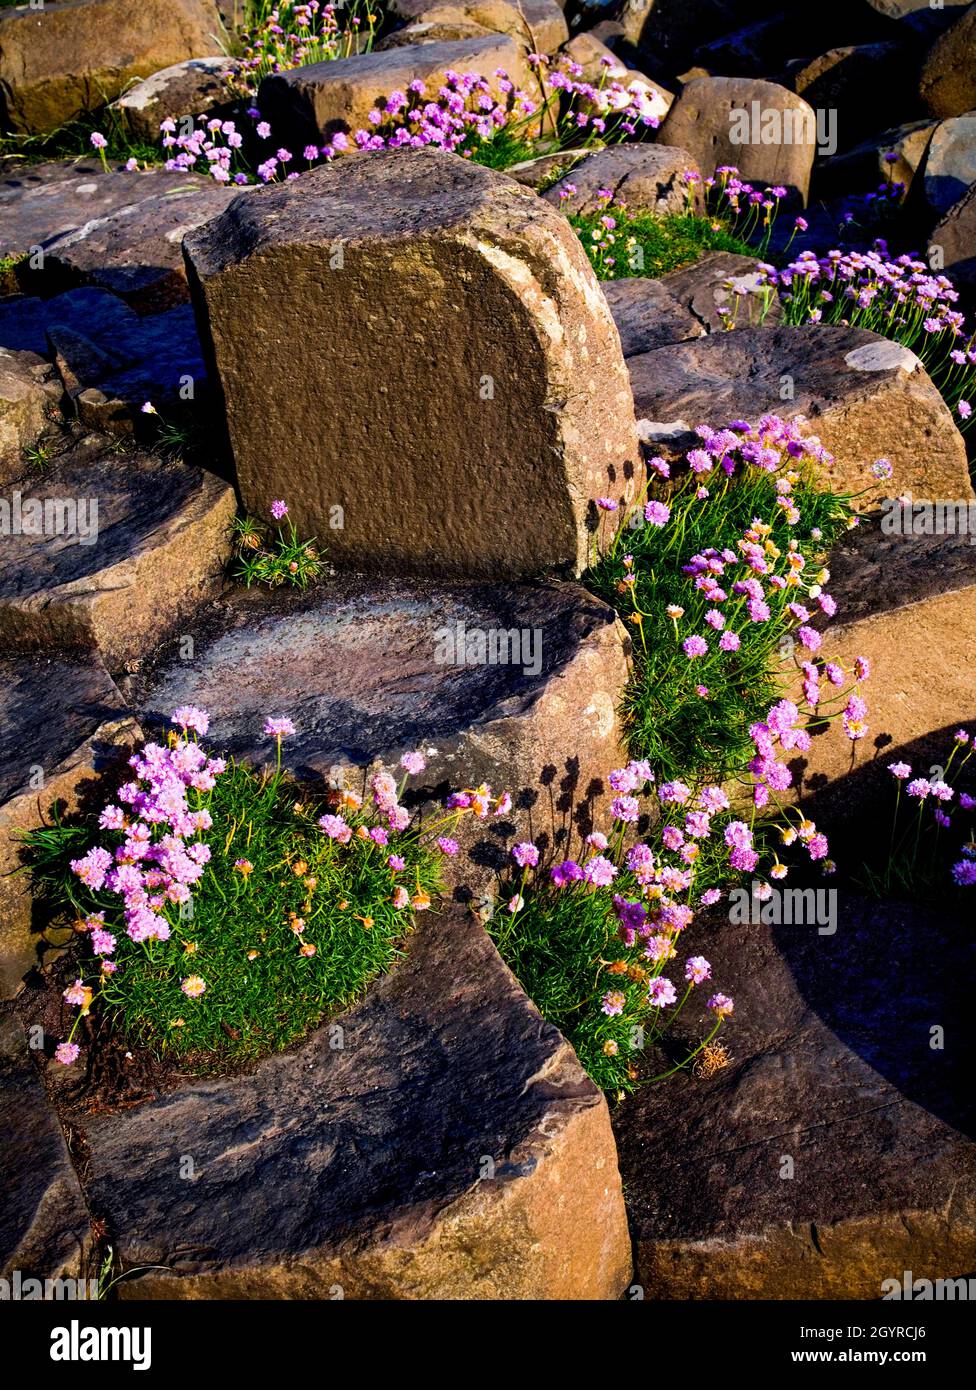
<point x="62" y="722"/>
<point x="836" y="81"/>
<point x="509" y="411"/>
<point x="380" y="1150"/>
<point x="194" y="88"/>
<point x="835" y="1150"/>
<point x="905" y="9"/>
<point x="757" y="48"/>
<point x="63" y="59"/>
<point x="673" y="29"/>
<point x="647" y="315"/>
<point x="45" y="1229"/>
<point x="540" y="172"/>
<point x="955" y="240"/>
<point x="103" y="317"/>
<point x="159" y="362"/>
<point x="642" y="178"/>
<point x="135" y="250"/>
<point x="369" y="670"/>
<point x="538" y="24"/>
<point x="24" y="400"/>
<point x="687" y="303"/>
<point x="443" y="32"/>
<point x="907" y="603"/>
<point x="110" y="359"/>
<point x="130" y="546"/>
<point x="702" y="122"/>
<point x="867" y="165"/>
<point x="601" y="66"/>
<point x="865" y="397"/>
<point x="948" y="79"/>
<point x="313" y="103"/>
<point x="950" y="165"/>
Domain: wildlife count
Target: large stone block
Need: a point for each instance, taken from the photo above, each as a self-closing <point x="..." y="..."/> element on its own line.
<point x="451" y="1148"/>
<point x="149" y="544"/>
<point x="63" y="59"/>
<point x="194" y="88"/>
<point x="708" y="119"/>
<point x="835" y="1150"/>
<point x="641" y="178"/>
<point x="948" y="79"/>
<point x="312" y="103"/>
<point x="461" y="394"/>
<point x="25" y="398"/>
<point x="539" y="24"/>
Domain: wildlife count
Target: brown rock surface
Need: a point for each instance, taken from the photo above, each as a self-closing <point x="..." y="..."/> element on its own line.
<point x="450" y="1148"/>
<point x="955" y="238"/>
<point x="45" y="1229"/>
<point x="701" y="122"/>
<point x="642" y="178"/>
<point x="61" y="721"/>
<point x="864" y="396"/>
<point x="63" y="59"/>
<point x="948" y="80"/>
<point x="832" y="1069"/>
<point x="25" y="396"/>
<point x="193" y="88"/>
<point x="313" y="102"/>
<point x="140" y="543"/>
<point x="539" y="24"/>
<point x="467" y="396"/>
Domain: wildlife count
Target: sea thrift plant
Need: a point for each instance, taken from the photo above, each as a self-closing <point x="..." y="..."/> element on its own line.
<point x="898" y="297"/>
<point x="723" y="582"/>
<point x="929" y="804"/>
<point x="222" y="911"/>
<point x="261" y="557"/>
<point x="296" y="33"/>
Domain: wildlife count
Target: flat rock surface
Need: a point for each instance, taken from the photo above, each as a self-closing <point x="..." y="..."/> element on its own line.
<point x="865" y="397"/>
<point x="832" y="1069"/>
<point x="45" y="1229"/>
<point x="115" y="230"/>
<point x="647" y="315"/>
<point x="130" y="545"/>
<point x="360" y="1170"/>
<point x="366" y="671"/>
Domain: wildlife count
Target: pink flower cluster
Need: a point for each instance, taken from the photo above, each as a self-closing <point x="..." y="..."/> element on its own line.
<point x="159" y="855"/>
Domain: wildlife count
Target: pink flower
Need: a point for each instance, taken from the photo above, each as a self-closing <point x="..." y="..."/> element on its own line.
<point x="447" y="846"/>
<point x="697" y="969"/>
<point x="566" y="872"/>
<point x="657" y="513"/>
<point x="661" y="992"/>
<point x="100" y="143"/>
<point x="279" y="509"/>
<point x="599" y="871"/>
<point x="721" y="1004"/>
<point x="193" y="986"/>
<point x="694" y="646"/>
<point x="74" y="994"/>
<point x="336" y="829"/>
<point x="66" y="1053"/>
<point x="526" y="855"/>
<point x="413" y="763"/>
<point x="278" y="728"/>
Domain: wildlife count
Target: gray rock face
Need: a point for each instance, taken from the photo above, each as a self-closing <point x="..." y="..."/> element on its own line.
<point x="466" y="369"/>
<point x="45" y="1229"/>
<point x="865" y="397"/>
<point x="449" y="1147"/>
<point x="61" y="722"/>
<point x="194" y="88"/>
<point x="60" y="60"/>
<point x="139" y="544"/>
<point x="955" y="236"/>
<point x="539" y="24"/>
<point x="703" y="121"/>
<point x="642" y="178"/>
<point x="367" y="671"/>
<point x="836" y="1149"/>
<point x="314" y="102"/>
<point x="950" y="164"/>
<point x="648" y="316"/>
<point x="839" y="79"/>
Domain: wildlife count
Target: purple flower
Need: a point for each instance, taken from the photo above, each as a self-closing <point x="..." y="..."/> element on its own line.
<point x="697" y="969"/>
<point x="190" y="717"/>
<point x="599" y="871"/>
<point x="625" y="808"/>
<point x="100" y="143"/>
<point x="694" y="646"/>
<point x="279" y="509"/>
<point x="657" y="513"/>
<point x="613" y="1003"/>
<point x="900" y="770"/>
<point x="413" y="763"/>
<point x="336" y="828"/>
<point x="661" y="992"/>
<point x="447" y="846"/>
<point x="66" y="1053"/>
<point x="566" y="872"/>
